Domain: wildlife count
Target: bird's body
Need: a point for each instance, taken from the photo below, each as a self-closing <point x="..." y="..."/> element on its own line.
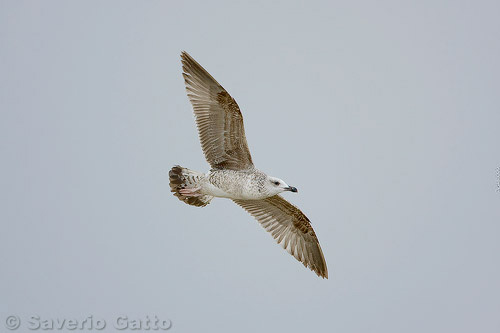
<point x="233" y="175"/>
<point x="236" y="184"/>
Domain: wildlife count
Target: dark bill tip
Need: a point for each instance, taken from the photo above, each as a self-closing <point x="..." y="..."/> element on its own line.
<point x="292" y="189"/>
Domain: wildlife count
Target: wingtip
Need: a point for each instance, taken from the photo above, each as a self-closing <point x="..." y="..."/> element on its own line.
<point x="188" y="62"/>
<point x="321" y="273"/>
<point x="320" y="268"/>
<point x="185" y="56"/>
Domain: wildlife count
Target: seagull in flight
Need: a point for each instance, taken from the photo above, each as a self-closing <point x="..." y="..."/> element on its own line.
<point x="233" y="175"/>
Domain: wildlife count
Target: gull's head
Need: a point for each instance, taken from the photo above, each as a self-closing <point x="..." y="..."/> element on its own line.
<point x="275" y="185"/>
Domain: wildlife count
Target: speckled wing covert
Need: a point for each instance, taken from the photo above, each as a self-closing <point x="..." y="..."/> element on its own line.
<point x="218" y="117"/>
<point x="291" y="228"/>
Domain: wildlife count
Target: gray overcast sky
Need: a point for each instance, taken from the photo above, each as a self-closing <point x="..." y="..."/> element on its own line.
<point x="384" y="114"/>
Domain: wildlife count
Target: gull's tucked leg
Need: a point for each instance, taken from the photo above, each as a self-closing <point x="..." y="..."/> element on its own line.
<point x="190" y="192"/>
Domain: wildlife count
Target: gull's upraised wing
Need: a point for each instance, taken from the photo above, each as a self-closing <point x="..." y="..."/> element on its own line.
<point x="218" y="117"/>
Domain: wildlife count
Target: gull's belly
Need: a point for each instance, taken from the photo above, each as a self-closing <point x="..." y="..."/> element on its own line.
<point x="233" y="185"/>
<point x="211" y="189"/>
<point x="236" y="192"/>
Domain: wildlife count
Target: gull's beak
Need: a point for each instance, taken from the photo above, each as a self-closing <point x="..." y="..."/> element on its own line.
<point x="291" y="189"/>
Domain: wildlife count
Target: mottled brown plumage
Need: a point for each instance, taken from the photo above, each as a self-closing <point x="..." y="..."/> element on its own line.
<point x="181" y="178"/>
<point x="218" y="117"/>
<point x="291" y="228"/>
<point x="233" y="175"/>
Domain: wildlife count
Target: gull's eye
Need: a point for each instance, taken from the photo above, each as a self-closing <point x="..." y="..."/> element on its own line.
<point x="276" y="183"/>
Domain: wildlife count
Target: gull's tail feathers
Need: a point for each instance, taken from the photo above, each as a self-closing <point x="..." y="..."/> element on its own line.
<point x="185" y="184"/>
